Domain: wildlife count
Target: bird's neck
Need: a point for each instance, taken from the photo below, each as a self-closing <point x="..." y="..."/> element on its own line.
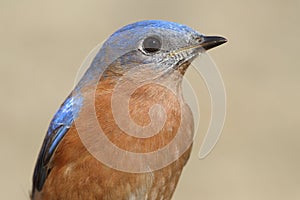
<point x="170" y="80"/>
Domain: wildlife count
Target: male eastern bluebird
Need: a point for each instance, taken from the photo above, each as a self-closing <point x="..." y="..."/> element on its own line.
<point x="146" y="60"/>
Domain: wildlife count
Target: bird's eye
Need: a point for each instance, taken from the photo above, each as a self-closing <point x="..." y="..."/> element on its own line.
<point x="152" y="44"/>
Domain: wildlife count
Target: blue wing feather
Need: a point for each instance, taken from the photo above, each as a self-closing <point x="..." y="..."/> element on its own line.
<point x="59" y="126"/>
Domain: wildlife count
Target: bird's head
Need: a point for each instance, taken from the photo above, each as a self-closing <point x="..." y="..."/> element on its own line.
<point x="153" y="48"/>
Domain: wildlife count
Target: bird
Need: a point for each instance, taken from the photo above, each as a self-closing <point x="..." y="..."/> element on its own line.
<point x="132" y="91"/>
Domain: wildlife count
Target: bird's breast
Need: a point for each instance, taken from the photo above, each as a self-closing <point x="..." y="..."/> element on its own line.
<point x="77" y="174"/>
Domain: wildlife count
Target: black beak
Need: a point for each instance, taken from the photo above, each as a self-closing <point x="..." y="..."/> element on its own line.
<point x="209" y="42"/>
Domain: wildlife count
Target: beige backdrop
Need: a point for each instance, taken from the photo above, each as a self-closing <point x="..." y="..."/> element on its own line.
<point x="42" y="44"/>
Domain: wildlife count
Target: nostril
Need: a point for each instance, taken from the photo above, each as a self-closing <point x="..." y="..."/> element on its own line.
<point x="198" y="38"/>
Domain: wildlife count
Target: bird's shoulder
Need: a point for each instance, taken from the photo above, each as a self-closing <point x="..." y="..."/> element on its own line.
<point x="59" y="126"/>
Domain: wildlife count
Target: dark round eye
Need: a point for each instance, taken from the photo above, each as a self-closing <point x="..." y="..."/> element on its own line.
<point x="152" y="44"/>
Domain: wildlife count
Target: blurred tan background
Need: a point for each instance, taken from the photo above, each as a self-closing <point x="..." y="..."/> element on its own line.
<point x="44" y="42"/>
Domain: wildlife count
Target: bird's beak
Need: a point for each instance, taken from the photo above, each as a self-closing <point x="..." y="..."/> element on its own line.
<point x="209" y="42"/>
<point x="204" y="44"/>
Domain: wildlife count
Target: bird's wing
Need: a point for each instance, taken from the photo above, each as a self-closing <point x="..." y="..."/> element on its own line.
<point x="59" y="126"/>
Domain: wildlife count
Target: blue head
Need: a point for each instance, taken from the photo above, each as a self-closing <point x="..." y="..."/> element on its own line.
<point x="152" y="47"/>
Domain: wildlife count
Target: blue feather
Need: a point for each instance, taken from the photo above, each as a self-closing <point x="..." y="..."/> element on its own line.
<point x="156" y="24"/>
<point x="59" y="126"/>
